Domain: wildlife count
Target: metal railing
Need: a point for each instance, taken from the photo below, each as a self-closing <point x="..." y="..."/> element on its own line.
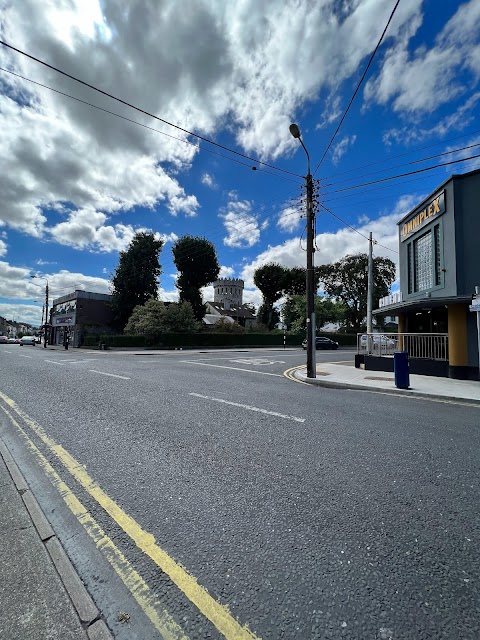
<point x="431" y="346"/>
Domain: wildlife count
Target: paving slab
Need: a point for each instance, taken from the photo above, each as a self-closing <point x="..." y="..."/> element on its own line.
<point x="338" y="376"/>
<point x="34" y="603"/>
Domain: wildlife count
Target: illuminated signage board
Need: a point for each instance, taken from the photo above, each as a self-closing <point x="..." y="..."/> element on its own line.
<point x="419" y="219"/>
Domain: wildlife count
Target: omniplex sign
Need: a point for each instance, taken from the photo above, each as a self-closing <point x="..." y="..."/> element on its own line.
<point x="418" y="220"/>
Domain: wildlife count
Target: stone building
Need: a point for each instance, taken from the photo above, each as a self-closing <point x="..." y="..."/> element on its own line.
<point x="228" y="303"/>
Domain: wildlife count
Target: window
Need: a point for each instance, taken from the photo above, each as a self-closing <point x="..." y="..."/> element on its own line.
<point x="422" y="255"/>
<point x="424" y="261"/>
<point x="438" y="257"/>
<point x="410" y="268"/>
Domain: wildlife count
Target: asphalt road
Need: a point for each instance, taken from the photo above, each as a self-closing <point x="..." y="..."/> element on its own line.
<point x="308" y="512"/>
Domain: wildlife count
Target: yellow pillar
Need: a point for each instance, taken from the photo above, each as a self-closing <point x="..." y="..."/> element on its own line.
<point x="457" y="336"/>
<point x="401" y="329"/>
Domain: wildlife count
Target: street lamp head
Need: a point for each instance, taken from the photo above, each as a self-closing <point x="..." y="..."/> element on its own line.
<point x="295" y="130"/>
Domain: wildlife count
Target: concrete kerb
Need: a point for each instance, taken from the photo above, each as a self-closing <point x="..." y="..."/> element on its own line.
<point x="86" y="609"/>
<point x="300" y="374"/>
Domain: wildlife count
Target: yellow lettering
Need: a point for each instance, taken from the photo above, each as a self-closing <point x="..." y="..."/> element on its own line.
<point x="423" y="216"/>
<point x="404" y="230"/>
<point x="409" y="226"/>
<point x="430" y="210"/>
<point x="436" y="206"/>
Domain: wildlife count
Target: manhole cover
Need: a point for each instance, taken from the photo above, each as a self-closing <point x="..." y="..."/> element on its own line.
<point x="379" y="378"/>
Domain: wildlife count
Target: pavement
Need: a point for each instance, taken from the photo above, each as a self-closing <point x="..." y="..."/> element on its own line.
<point x="340" y="376"/>
<point x="41" y="595"/>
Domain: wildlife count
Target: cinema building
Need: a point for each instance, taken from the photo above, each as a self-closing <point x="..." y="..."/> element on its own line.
<point x="439" y="246"/>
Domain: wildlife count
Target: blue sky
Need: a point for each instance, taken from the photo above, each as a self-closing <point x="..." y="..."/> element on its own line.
<point x="77" y="183"/>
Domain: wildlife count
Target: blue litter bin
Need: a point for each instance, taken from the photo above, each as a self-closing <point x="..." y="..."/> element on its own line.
<point x="401" y="369"/>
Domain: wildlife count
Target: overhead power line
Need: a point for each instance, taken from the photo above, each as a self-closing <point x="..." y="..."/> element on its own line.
<point x="402" y="175"/>
<point x="402" y="155"/>
<point x="353" y="228"/>
<point x="357" y="87"/>
<point x="406" y="164"/>
<point x="145" y="126"/>
<point x="147" y="113"/>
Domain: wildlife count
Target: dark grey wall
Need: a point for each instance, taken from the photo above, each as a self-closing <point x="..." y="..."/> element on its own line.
<point x="467" y="223"/>
<point x="447" y="224"/>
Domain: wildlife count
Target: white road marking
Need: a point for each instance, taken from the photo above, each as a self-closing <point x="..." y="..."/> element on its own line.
<point x="22" y="356"/>
<point x="55" y="362"/>
<point x="249" y="407"/>
<point x="283" y="355"/>
<point x="112" y="375"/>
<point x="258" y="361"/>
<point x="6" y="351"/>
<point x="220" y="366"/>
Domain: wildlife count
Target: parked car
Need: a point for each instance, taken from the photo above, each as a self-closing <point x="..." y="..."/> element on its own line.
<point x="12" y="341"/>
<point x="322" y="343"/>
<point x="377" y="340"/>
<point x="3" y="340"/>
<point x="28" y="340"/>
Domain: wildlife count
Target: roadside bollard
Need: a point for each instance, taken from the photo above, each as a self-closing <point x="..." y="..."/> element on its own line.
<point x="401" y="368"/>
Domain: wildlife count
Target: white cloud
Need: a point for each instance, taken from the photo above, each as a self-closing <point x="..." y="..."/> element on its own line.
<point x="42" y="263"/>
<point x="226" y="272"/>
<point x="331" y="112"/>
<point x="335" y="245"/>
<point x="341" y="147"/>
<point x="209" y="181"/>
<point x="458" y="120"/>
<point x="167" y="237"/>
<point x="251" y="66"/>
<point x="3" y="248"/>
<point x="427" y="78"/>
<point x="170" y="295"/>
<point x="289" y="219"/>
<point x="15" y="282"/>
<point x="242" y="227"/>
<point x="28" y="313"/>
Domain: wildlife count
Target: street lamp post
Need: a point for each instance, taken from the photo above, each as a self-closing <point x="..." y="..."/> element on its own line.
<point x="310" y="283"/>
<point x="46" y="310"/>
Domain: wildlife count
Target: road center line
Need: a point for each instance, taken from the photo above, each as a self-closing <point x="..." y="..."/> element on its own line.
<point x="112" y="375"/>
<point x="22" y="356"/>
<point x="6" y="351"/>
<point x="55" y="362"/>
<point x="249" y="407"/>
<point x="220" y="366"/>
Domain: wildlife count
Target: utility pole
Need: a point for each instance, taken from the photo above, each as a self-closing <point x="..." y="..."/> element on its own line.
<point x="41" y="326"/>
<point x="46" y="317"/>
<point x="370" y="285"/>
<point x="310" y="280"/>
<point x="311" y="325"/>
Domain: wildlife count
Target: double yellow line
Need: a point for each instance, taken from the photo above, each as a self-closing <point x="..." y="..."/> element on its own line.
<point x="218" y="614"/>
<point x="289" y="374"/>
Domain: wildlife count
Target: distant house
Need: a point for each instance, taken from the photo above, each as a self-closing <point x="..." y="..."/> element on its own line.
<point x="228" y="304"/>
<point x="79" y="313"/>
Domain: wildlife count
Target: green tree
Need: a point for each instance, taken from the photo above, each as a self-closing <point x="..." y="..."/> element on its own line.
<point x="155" y="318"/>
<point x="223" y="326"/>
<point x="294" y="312"/>
<point x="196" y="260"/>
<point x="295" y="281"/>
<point x="270" y="279"/>
<point x="346" y="281"/>
<point x="136" y="276"/>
